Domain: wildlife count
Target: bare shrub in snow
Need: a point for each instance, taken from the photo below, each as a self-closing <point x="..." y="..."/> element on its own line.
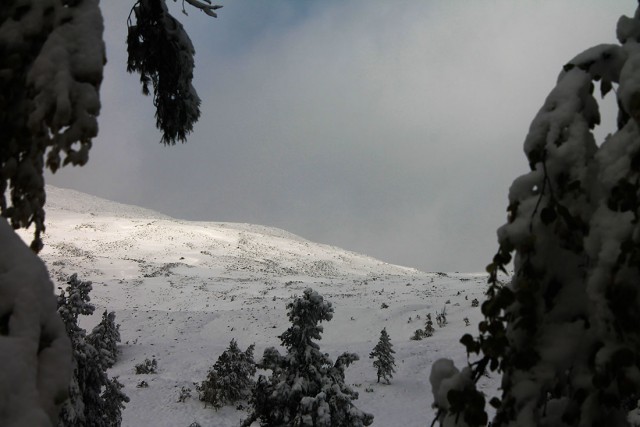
<point x="149" y="366"/>
<point x="185" y="393"/>
<point x="441" y="318"/>
<point x="564" y="332"/>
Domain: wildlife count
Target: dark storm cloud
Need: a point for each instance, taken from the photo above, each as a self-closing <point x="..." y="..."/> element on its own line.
<point x="389" y="128"/>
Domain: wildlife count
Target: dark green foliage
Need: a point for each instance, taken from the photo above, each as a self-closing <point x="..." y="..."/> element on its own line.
<point x="105" y="338"/>
<point x="305" y="387"/>
<point x="382" y="353"/>
<point x="231" y="377"/>
<point x="94" y="399"/>
<point x="161" y="52"/>
<point x="113" y="398"/>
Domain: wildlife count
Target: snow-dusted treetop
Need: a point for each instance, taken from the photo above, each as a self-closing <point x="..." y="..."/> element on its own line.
<point x="305" y="387"/>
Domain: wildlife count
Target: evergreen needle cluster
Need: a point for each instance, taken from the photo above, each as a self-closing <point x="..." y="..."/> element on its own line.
<point x="382" y="354"/>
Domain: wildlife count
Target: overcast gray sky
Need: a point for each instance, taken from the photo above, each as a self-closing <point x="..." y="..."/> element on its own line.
<point x="390" y="128"/>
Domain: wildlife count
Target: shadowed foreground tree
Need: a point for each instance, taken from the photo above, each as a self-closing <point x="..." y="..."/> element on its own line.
<point x="51" y="63"/>
<point x="94" y="399"/>
<point x="564" y="332"/>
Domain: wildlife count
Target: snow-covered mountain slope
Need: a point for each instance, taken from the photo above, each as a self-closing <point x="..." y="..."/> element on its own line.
<point x="182" y="290"/>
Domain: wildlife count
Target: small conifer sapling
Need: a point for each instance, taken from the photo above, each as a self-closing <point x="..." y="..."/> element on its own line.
<point x="231" y="377"/>
<point x="382" y="356"/>
<point x="428" y="327"/>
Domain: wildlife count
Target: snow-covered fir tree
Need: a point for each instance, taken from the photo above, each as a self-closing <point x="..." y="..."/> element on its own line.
<point x="382" y="355"/>
<point x="113" y="399"/>
<point x="305" y="387"/>
<point x="105" y="337"/>
<point x="231" y="377"/>
<point x="94" y="398"/>
<point x="564" y="333"/>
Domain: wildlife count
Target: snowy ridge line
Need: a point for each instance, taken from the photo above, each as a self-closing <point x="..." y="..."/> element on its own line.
<point x="67" y="200"/>
<point x="88" y="227"/>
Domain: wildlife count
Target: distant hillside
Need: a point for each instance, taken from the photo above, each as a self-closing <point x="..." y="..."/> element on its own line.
<point x="72" y="201"/>
<point x="182" y="290"/>
<point x="81" y="227"/>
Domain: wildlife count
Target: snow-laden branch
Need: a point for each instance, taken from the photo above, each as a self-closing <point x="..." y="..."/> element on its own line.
<point x="35" y="354"/>
<point x="206" y="7"/>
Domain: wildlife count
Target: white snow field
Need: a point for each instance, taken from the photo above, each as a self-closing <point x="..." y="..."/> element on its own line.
<point x="182" y="290"/>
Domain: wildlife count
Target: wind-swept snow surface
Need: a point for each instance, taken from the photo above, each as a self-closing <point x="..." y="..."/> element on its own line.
<point x="182" y="290"/>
